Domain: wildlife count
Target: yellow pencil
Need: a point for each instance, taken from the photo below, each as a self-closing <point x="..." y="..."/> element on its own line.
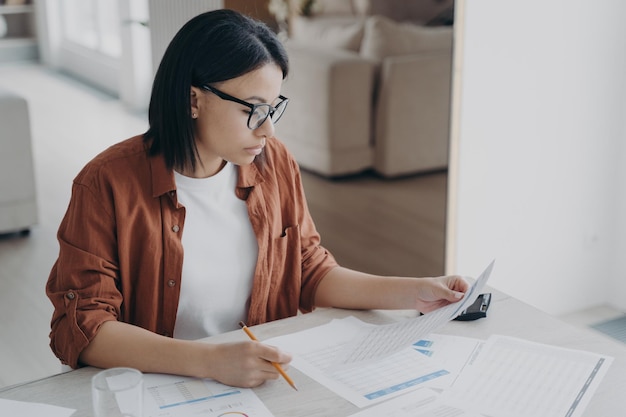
<point x="277" y="366"/>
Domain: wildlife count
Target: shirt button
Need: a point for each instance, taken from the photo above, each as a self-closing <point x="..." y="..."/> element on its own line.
<point x="175" y="228"/>
<point x="171" y="283"/>
<point x="70" y="295"/>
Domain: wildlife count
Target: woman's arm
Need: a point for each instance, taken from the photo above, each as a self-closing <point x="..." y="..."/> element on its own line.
<point x="242" y="364"/>
<point x="345" y="288"/>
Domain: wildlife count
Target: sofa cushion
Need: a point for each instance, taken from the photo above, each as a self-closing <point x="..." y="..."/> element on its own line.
<point x="337" y="32"/>
<point x="335" y="7"/>
<point x="417" y="11"/>
<point x="384" y="37"/>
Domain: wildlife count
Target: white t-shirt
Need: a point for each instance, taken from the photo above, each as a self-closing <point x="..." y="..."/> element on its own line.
<point x="220" y="255"/>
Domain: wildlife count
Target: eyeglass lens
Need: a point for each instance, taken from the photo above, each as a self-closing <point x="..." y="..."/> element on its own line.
<point x="261" y="112"/>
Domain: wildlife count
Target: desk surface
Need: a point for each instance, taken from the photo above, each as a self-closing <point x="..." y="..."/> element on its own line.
<point x="507" y="316"/>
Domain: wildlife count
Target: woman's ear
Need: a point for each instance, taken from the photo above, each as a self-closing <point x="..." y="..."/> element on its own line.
<point x="195" y="92"/>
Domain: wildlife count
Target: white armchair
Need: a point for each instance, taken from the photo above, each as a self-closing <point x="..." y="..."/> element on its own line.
<point x="368" y="92"/>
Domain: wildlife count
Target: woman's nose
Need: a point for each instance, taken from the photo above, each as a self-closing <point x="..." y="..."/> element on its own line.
<point x="266" y="129"/>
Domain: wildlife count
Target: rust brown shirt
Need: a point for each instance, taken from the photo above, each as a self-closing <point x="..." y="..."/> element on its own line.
<point x="121" y="256"/>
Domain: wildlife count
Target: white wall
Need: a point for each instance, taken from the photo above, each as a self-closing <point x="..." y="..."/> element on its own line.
<point x="167" y="17"/>
<point x="537" y="140"/>
<point x="617" y="293"/>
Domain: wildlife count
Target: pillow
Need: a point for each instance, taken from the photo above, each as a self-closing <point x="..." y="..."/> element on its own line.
<point x="384" y="37"/>
<point x="342" y="7"/>
<point x="429" y="12"/>
<point x="331" y="32"/>
<point x="394" y="9"/>
<point x="421" y="11"/>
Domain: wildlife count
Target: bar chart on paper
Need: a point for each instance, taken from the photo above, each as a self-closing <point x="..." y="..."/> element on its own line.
<point x="175" y="396"/>
<point x="362" y="384"/>
<point x="184" y="392"/>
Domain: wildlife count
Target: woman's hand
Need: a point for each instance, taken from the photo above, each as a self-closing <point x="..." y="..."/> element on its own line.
<point x="244" y="364"/>
<point x="241" y="364"/>
<point x="433" y="293"/>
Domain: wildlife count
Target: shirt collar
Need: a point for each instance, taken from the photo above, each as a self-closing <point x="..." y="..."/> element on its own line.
<point x="249" y="176"/>
<point x="163" y="179"/>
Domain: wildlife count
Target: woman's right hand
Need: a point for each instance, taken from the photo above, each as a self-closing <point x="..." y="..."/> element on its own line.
<point x="243" y="364"/>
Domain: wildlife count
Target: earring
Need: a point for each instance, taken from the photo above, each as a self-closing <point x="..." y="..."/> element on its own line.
<point x="193" y="115"/>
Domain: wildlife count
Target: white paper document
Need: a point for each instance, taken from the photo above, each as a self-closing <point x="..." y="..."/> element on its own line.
<point x="377" y="341"/>
<point x="420" y="403"/>
<point x="512" y="377"/>
<point x="176" y="396"/>
<point x="362" y="384"/>
<point x="451" y="352"/>
<point x="26" y="409"/>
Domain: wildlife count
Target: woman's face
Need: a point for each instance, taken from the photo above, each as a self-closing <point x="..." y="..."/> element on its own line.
<point x="221" y="130"/>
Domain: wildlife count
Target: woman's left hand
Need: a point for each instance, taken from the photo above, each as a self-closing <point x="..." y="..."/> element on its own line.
<point x="433" y="293"/>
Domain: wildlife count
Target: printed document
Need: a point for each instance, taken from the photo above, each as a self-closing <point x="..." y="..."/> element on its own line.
<point x="511" y="377"/>
<point x="420" y="403"/>
<point x="369" y="382"/>
<point x="377" y="341"/>
<point x="177" y="396"/>
<point x="366" y="363"/>
<point x="452" y="352"/>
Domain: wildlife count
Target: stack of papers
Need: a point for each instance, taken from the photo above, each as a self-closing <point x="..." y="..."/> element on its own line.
<point x="403" y="369"/>
<point x="508" y="377"/>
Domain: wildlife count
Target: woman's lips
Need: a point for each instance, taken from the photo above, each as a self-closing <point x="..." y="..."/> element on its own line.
<point x="255" y="150"/>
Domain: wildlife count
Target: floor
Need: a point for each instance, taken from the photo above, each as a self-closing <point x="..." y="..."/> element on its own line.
<point x="71" y="123"/>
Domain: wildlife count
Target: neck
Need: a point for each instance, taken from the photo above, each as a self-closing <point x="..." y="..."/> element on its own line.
<point x="204" y="170"/>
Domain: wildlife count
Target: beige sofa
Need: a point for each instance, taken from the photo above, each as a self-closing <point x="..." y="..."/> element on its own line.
<point x="18" y="202"/>
<point x="367" y="90"/>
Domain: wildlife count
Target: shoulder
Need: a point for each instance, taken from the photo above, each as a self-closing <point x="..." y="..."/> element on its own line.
<point x="120" y="161"/>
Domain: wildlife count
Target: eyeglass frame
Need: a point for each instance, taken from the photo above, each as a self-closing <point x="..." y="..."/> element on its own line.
<point x="252" y="107"/>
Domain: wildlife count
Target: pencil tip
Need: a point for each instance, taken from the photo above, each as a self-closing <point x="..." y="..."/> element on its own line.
<point x="242" y="324"/>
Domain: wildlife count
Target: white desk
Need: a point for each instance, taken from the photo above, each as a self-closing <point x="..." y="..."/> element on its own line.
<point x="507" y="316"/>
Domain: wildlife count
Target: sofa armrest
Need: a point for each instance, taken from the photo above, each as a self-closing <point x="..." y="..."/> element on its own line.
<point x="413" y="113"/>
<point x="328" y="123"/>
<point x="18" y="200"/>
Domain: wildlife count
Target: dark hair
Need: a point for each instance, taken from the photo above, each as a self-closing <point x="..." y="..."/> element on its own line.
<point x="212" y="47"/>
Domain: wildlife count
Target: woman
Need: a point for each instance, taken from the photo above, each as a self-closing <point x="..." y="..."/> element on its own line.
<point x="124" y="294"/>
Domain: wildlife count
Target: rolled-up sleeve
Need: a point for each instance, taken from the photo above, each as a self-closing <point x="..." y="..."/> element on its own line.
<point x="113" y="253"/>
<point x="82" y="285"/>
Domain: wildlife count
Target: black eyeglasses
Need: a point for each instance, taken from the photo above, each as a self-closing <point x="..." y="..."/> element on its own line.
<point x="258" y="112"/>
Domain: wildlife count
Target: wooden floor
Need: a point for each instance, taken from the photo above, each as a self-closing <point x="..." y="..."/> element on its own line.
<point x="386" y="227"/>
<point x="390" y="227"/>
